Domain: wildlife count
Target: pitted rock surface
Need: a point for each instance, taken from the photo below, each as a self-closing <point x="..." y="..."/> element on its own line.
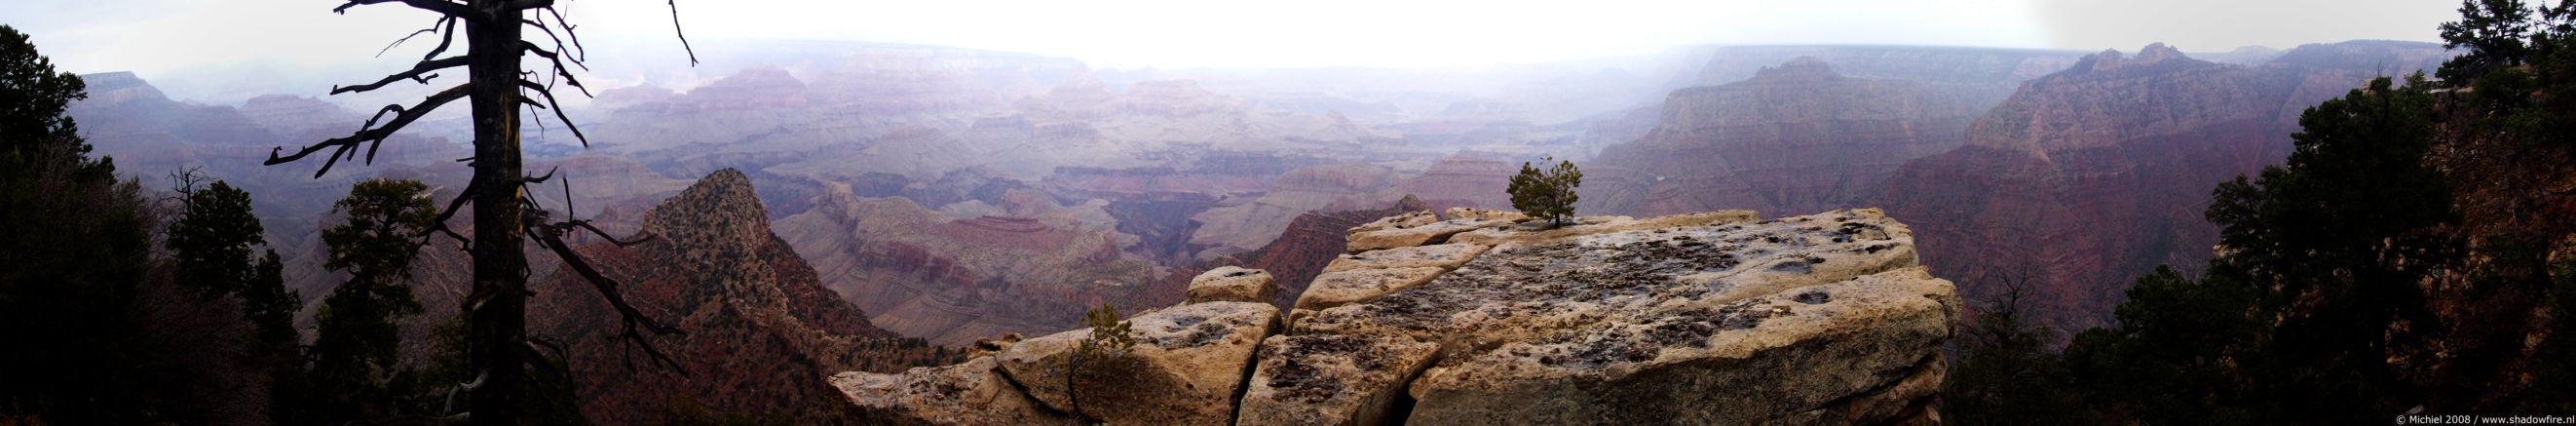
<point x="973" y="393"/>
<point x="1710" y="318"/>
<point x="1539" y="232"/>
<point x="1338" y="288"/>
<point x="1188" y="362"/>
<point x="1331" y="379"/>
<point x="1443" y="256"/>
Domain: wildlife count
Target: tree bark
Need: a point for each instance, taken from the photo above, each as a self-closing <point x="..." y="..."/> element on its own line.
<point x="499" y="305"/>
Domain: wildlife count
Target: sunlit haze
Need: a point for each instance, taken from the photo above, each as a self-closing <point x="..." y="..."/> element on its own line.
<point x="164" y="36"/>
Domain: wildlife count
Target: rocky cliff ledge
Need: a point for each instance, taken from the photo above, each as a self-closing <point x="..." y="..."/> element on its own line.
<point x="1485" y="318"/>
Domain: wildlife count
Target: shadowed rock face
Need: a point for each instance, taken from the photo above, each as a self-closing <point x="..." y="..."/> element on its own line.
<point x="1311" y="242"/>
<point x="953" y="280"/>
<point x="1711" y="318"/>
<point x="762" y="332"/>
<point x="2090" y="177"/>
<point x="1795" y="139"/>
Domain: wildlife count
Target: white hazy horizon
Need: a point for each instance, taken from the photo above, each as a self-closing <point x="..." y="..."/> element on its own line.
<point x="166" y="38"/>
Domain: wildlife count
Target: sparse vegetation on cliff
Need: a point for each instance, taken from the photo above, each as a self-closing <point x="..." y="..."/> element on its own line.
<point x="1097" y="356"/>
<point x="1546" y="195"/>
<point x="2395" y="264"/>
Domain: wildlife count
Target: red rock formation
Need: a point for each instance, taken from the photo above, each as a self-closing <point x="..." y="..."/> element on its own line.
<point x="2090" y="177"/>
<point x="1293" y="259"/>
<point x="1464" y="180"/>
<point x="952" y="281"/>
<point x="763" y="332"/>
<point x="1795" y="139"/>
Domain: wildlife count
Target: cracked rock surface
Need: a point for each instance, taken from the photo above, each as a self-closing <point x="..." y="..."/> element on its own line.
<point x="1709" y="318"/>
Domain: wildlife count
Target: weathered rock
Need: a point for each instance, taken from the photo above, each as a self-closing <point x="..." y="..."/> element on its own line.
<point x="1331" y="379"/>
<point x="1695" y="319"/>
<point x="1232" y="284"/>
<point x="1188" y="362"/>
<point x="1399" y="234"/>
<point x="1711" y="318"/>
<point x="1485" y="214"/>
<point x="1443" y="256"/>
<point x="1866" y="351"/>
<point x="1539" y="232"/>
<point x="1339" y="288"/>
<point x="973" y="393"/>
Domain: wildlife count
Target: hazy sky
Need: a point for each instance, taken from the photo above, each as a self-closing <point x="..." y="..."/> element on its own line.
<point x="177" y="36"/>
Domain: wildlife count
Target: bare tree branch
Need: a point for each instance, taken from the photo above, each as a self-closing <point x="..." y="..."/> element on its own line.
<point x="579" y="53"/>
<point x="443" y="7"/>
<point x="415" y="74"/>
<point x="447" y="37"/>
<point x="434" y="27"/>
<point x="558" y="108"/>
<point x="371" y="134"/>
<point x="439" y="226"/>
<point x="684" y="35"/>
<point x="636" y="322"/>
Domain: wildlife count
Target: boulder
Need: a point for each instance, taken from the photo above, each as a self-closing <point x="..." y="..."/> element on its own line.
<point x="972" y="393"/>
<point x="1232" y="284"/>
<point x="1331" y="379"/>
<point x="1185" y="369"/>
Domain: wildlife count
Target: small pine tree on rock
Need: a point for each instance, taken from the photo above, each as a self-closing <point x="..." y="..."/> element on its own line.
<point x="1546" y="194"/>
<point x="1111" y="338"/>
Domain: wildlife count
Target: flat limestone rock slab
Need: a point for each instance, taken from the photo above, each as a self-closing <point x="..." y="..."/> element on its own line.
<point x="1534" y="232"/>
<point x="1392" y="233"/>
<point x="1187" y="364"/>
<point x="1489" y="214"/>
<point x="1338" y="288"/>
<point x="1331" y="379"/>
<point x="1443" y="256"/>
<point x="1857" y="351"/>
<point x="971" y="393"/>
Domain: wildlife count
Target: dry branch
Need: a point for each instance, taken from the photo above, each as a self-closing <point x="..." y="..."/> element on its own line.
<point x="443" y="7"/>
<point x="371" y="134"/>
<point x="418" y="72"/>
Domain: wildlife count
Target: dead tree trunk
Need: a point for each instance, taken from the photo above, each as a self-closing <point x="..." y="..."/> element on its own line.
<point x="499" y="305"/>
<point x="504" y="216"/>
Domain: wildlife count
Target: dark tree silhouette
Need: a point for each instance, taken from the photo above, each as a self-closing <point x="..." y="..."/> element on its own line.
<point x="211" y="243"/>
<point x="496" y="40"/>
<point x="355" y="349"/>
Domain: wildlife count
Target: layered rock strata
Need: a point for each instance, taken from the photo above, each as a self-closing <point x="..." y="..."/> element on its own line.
<point x="1797" y="138"/>
<point x="1711" y="318"/>
<point x="2090" y="177"/>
